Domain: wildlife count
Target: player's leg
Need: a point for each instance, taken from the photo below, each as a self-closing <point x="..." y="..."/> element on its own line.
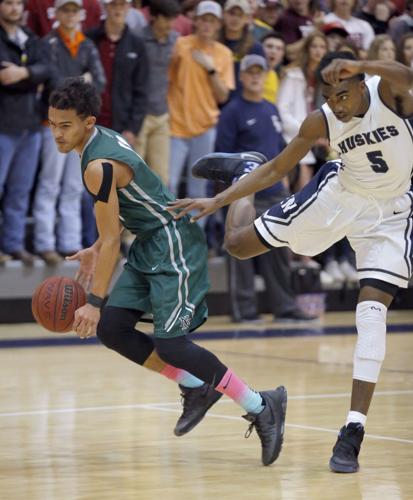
<point x="374" y="300"/>
<point x="178" y="303"/>
<point x="384" y="263"/>
<point x="265" y="410"/>
<point x="241" y="239"/>
<point x="294" y="222"/>
<point x="116" y="330"/>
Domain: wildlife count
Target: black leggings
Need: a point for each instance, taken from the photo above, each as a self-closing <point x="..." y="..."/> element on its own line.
<point x="116" y="330"/>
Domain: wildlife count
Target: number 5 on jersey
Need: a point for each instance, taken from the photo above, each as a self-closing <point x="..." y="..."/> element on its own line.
<point x="377" y="162"/>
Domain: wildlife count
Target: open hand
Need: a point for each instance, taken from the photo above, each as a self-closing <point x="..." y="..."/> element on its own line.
<point x="87" y="258"/>
<point x="205" y="206"/>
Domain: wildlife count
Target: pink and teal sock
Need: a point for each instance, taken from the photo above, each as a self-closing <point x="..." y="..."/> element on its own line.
<point x="233" y="387"/>
<point x="181" y="377"/>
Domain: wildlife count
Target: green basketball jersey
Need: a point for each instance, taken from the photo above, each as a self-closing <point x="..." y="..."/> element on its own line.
<point x="142" y="202"/>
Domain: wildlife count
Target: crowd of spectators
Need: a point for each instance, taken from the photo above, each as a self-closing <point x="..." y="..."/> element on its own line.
<point x="171" y="74"/>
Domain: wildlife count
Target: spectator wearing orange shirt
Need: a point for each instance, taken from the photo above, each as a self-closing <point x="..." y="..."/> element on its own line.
<point x="201" y="76"/>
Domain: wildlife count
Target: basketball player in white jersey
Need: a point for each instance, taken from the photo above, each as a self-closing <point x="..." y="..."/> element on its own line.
<point x="365" y="196"/>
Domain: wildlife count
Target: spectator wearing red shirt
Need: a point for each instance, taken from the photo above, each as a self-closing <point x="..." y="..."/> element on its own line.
<point x="124" y="59"/>
<point x="295" y="24"/>
<point x="41" y="15"/>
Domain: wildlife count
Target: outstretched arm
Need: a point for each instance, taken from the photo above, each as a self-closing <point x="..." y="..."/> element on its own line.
<point x="312" y="128"/>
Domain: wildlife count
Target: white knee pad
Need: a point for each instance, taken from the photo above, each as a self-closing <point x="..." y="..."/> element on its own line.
<point x="371" y="341"/>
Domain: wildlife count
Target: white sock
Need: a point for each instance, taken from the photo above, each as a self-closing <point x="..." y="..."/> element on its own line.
<point x="356" y="417"/>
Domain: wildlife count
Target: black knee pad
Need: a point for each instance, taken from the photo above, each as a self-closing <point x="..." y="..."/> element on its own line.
<point x="116" y="330"/>
<point x="114" y="321"/>
<point x="380" y="285"/>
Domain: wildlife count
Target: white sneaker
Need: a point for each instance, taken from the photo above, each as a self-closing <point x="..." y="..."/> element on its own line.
<point x="334" y="270"/>
<point x="349" y="272"/>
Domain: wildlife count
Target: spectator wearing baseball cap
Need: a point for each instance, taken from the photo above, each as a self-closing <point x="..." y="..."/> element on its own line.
<point x="237" y="36"/>
<point x="59" y="188"/>
<point x="266" y="17"/>
<point x="41" y="15"/>
<point x="201" y="76"/>
<point x="335" y="33"/>
<point x="250" y="123"/>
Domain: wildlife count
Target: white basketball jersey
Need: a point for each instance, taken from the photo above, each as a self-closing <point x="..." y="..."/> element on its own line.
<point x="376" y="150"/>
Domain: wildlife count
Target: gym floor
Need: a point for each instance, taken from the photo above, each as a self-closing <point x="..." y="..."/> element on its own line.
<point x="77" y="421"/>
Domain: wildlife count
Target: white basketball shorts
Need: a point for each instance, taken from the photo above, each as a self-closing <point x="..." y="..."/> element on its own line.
<point x="324" y="212"/>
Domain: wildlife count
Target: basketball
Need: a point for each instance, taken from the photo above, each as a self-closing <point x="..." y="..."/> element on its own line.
<point x="55" y="301"/>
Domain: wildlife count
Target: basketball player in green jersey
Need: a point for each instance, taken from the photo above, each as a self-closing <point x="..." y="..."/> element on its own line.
<point x="165" y="273"/>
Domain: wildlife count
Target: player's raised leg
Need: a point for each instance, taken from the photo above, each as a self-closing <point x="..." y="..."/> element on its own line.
<point x="241" y="239"/>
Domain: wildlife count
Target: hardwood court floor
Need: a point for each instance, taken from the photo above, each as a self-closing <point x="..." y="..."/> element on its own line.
<point x="80" y="422"/>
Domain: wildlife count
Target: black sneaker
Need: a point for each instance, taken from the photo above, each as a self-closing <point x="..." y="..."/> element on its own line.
<point x="223" y="167"/>
<point x="347" y="448"/>
<point x="269" y="424"/>
<point x="196" y="402"/>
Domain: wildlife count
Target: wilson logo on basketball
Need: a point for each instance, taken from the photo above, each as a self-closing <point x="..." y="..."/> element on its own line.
<point x="67" y="300"/>
<point x="55" y="301"/>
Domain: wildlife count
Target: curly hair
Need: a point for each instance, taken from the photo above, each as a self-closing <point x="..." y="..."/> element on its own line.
<point x="77" y="94"/>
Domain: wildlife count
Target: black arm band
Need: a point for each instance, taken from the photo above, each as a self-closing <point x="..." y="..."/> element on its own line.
<point x="94" y="300"/>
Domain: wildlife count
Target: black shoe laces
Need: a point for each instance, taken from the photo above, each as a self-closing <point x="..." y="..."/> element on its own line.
<point x="186" y="400"/>
<point x="188" y="396"/>
<point x="264" y="435"/>
<point x="348" y="444"/>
